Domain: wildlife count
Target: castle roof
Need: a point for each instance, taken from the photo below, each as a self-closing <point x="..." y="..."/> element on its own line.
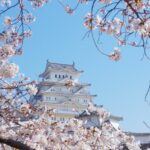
<point x="144" y="139"/>
<point x="60" y="67"/>
<point x="139" y="134"/>
<point x="86" y="114"/>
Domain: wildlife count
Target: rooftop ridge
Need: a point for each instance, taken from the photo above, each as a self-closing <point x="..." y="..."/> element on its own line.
<point x="138" y="133"/>
<point x="84" y="114"/>
<point x="57" y="66"/>
<point x="48" y="62"/>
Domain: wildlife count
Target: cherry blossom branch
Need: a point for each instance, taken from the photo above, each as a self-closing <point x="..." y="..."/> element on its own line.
<point x="148" y="126"/>
<point x="3" y="11"/>
<point x="134" y="11"/>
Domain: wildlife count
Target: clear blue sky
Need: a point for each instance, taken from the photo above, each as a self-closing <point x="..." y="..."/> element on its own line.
<point x="120" y="86"/>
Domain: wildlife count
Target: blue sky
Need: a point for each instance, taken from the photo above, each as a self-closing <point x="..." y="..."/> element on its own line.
<point x="120" y="86"/>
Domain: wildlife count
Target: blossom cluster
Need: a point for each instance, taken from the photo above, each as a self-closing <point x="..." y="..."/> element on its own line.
<point x="6" y="51"/>
<point x="123" y="20"/>
<point x="8" y="70"/>
<point x="32" y="89"/>
<point x="38" y="3"/>
<point x="15" y="89"/>
<point x="5" y="3"/>
<point x="45" y="134"/>
<point x="34" y="3"/>
<point x="16" y="29"/>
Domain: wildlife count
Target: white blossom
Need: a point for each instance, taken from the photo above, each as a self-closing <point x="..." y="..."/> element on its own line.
<point x="32" y="89"/>
<point x="9" y="70"/>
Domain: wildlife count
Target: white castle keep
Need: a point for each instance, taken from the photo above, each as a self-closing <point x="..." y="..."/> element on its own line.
<point x="61" y="89"/>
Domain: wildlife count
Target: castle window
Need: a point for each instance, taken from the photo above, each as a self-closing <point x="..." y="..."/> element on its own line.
<point x="47" y="98"/>
<point x="89" y="119"/>
<point x="54" y="118"/>
<point x="53" y="98"/>
<point x="55" y="75"/>
<point x="59" y="76"/>
<point x="63" y="76"/>
<point x="85" y="101"/>
<point x="62" y="119"/>
<point x="52" y="89"/>
<point x="70" y="77"/>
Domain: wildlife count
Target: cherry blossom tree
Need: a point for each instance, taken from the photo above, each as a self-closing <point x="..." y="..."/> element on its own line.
<point x="25" y="125"/>
<point x="127" y="21"/>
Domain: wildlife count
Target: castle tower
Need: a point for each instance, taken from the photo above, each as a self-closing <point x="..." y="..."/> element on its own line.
<point x="61" y="89"/>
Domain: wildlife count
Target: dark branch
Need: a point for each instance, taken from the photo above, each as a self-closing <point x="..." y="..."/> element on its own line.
<point x="146" y="95"/>
<point x="15" y="144"/>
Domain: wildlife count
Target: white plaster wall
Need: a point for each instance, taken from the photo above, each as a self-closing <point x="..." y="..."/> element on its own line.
<point x="143" y="139"/>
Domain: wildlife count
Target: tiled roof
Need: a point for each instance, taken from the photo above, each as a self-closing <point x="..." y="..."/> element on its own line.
<point x="138" y="134"/>
<point x="86" y="114"/>
<point x="59" y="66"/>
<point x="144" y="138"/>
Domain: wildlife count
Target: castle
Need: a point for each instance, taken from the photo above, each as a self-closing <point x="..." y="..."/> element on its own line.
<point x="61" y="89"/>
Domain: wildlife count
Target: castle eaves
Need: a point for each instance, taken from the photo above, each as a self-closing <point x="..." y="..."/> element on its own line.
<point x="60" y="67"/>
<point x="112" y="117"/>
